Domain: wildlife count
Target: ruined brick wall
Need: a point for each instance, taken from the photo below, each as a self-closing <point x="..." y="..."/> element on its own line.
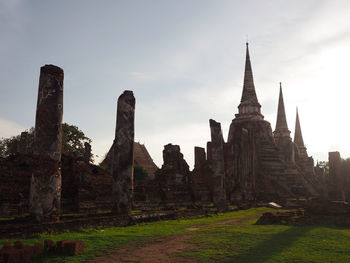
<point x="200" y="179"/>
<point x="345" y="173"/>
<point x="15" y="173"/>
<point x="173" y="176"/>
<point x="148" y="193"/>
<point x="244" y="171"/>
<point x="85" y="188"/>
<point x="336" y="182"/>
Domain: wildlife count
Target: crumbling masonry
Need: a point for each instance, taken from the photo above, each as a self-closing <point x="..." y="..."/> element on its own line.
<point x="45" y="185"/>
<point x="123" y="154"/>
<point x="254" y="163"/>
<point x="259" y="164"/>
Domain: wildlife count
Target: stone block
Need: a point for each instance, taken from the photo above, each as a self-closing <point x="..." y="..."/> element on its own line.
<point x="73" y="248"/>
<point x="28" y="251"/>
<point x="7" y="245"/>
<point x="11" y="255"/>
<point x="38" y="249"/>
<point x="18" y="244"/>
<point x="49" y="245"/>
<point x="60" y="244"/>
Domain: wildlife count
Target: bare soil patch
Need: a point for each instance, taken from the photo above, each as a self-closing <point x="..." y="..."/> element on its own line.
<point x="233" y="220"/>
<point x="193" y="228"/>
<point x="226" y="222"/>
<point x="163" y="250"/>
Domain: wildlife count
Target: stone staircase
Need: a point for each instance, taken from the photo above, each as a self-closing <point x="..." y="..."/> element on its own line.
<point x="270" y="161"/>
<point x="290" y="178"/>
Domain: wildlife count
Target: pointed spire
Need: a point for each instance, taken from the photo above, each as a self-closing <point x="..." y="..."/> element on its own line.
<point x="248" y="93"/>
<point x="298" y="137"/>
<point x="249" y="106"/>
<point x="281" y="133"/>
<point x="281" y="123"/>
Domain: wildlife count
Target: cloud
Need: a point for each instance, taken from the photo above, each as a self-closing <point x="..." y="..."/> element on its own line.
<point x="9" y="128"/>
<point x="141" y="75"/>
<point x="8" y="7"/>
<point x="100" y="148"/>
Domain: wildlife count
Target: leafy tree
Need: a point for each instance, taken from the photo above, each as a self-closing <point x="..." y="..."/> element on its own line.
<point x="140" y="173"/>
<point x="73" y="140"/>
<point x="10" y="145"/>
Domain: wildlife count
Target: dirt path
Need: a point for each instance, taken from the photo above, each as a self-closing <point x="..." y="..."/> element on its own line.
<point x="159" y="251"/>
<point x="229" y="221"/>
<point x="154" y="252"/>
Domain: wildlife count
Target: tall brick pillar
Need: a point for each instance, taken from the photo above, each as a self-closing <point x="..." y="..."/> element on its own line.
<point x="23" y="143"/>
<point x="217" y="164"/>
<point x="87" y="152"/>
<point x="336" y="182"/>
<point x="45" y="187"/>
<point x="123" y="152"/>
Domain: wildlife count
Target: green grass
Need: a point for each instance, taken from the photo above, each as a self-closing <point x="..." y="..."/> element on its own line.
<point x="98" y="240"/>
<point x="237" y="241"/>
<point x="6" y="218"/>
<point x="247" y="242"/>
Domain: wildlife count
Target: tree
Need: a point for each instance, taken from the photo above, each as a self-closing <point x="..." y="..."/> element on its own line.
<point x="9" y="146"/>
<point x="73" y="140"/>
<point x="140" y="173"/>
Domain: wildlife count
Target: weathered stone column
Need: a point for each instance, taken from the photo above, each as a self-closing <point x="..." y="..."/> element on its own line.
<point x="45" y="188"/>
<point x="199" y="157"/>
<point x="229" y="170"/>
<point x="217" y="164"/>
<point x="336" y="182"/>
<point x="23" y="143"/>
<point x="209" y="155"/>
<point x="123" y="153"/>
<point x="87" y="152"/>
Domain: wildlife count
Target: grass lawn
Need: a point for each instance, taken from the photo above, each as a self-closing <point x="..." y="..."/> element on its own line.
<point x="236" y="240"/>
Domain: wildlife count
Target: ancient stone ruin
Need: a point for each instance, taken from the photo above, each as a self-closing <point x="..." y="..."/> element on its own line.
<point x="217" y="164"/>
<point x="253" y="165"/>
<point x="336" y="180"/>
<point x="260" y="164"/>
<point x="123" y="154"/>
<point x="45" y="185"/>
<point x="23" y="143"/>
<point x="87" y="152"/>
<point x="173" y="176"/>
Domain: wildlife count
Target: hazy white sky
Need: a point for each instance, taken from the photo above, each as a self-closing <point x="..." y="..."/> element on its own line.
<point x="184" y="60"/>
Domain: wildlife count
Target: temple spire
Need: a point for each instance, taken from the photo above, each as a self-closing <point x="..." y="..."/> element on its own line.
<point x="298" y="137"/>
<point x="249" y="105"/>
<point x="248" y="93"/>
<point x="281" y="123"/>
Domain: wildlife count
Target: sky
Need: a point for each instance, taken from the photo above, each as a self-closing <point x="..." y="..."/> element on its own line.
<point x="184" y="61"/>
